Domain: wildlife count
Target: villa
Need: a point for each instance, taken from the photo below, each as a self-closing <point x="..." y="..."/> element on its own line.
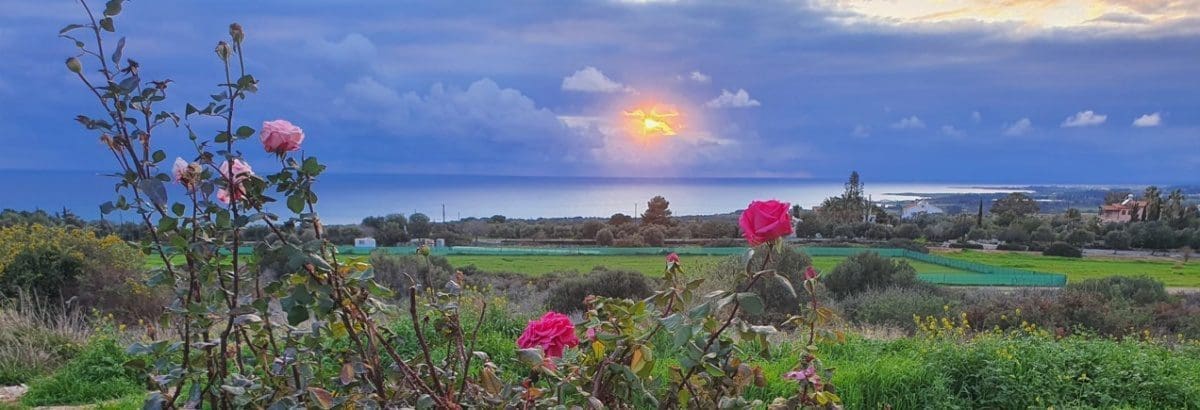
<point x="917" y="208"/>
<point x="1123" y="211"/>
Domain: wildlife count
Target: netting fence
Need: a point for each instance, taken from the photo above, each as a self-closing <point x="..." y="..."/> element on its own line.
<point x="961" y="272"/>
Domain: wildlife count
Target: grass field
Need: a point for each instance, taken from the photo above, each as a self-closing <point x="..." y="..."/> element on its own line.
<point x="647" y="264"/>
<point x="1172" y="274"/>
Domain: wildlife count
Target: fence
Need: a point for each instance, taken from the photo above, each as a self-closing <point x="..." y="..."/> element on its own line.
<point x="981" y="274"/>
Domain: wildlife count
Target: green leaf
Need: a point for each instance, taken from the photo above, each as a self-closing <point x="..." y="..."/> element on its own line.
<point x="116" y="56"/>
<point x="178" y="209"/>
<point x="107" y="207"/>
<point x="295" y="202"/>
<point x="191" y="109"/>
<point x="166" y="224"/>
<point x="68" y="28"/>
<point x="322" y="397"/>
<point x="713" y="370"/>
<point x="158" y="156"/>
<point x="311" y="166"/>
<point x="297" y="314"/>
<point x="530" y="357"/>
<point x="750" y="302"/>
<point x="244" y="131"/>
<point x="112" y="8"/>
<point x="107" y="24"/>
<point x="222" y="137"/>
<point x="154" y="190"/>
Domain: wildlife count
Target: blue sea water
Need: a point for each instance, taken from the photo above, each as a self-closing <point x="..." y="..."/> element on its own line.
<point x="346" y="198"/>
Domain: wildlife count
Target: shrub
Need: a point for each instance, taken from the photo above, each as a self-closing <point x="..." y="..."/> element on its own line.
<point x="1141" y="291"/>
<point x="908" y="231"/>
<point x="894" y="306"/>
<point x="868" y="270"/>
<point x="965" y="245"/>
<point x="908" y="244"/>
<point x="630" y="241"/>
<point x="567" y="296"/>
<point x="1012" y="247"/>
<point x="43" y="271"/>
<point x="1079" y="237"/>
<point x="1117" y="240"/>
<point x="778" y="303"/>
<point x="97" y="374"/>
<point x="1062" y="249"/>
<point x="604" y="237"/>
<point x="653" y="235"/>
<point x="394" y="271"/>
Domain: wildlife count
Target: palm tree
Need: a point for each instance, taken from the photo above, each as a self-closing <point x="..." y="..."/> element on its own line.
<point x="1153" y="200"/>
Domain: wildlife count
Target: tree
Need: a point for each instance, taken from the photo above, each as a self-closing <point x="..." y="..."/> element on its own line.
<point x="419" y="225"/>
<point x="619" y="219"/>
<point x="604" y="237"/>
<point x="498" y="219"/>
<point x="979" y="216"/>
<point x="1152" y="235"/>
<point x="388" y="230"/>
<point x="589" y="229"/>
<point x="1117" y="240"/>
<point x="850" y="207"/>
<point x="1153" y="200"/>
<point x="657" y="212"/>
<point x="1015" y="204"/>
<point x="1079" y="237"/>
<point x="854" y="187"/>
<point x="653" y="235"/>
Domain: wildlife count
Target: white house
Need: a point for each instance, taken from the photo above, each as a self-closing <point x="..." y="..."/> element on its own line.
<point x="364" y="242"/>
<point x="918" y="208"/>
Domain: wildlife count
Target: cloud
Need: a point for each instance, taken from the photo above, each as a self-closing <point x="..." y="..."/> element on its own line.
<point x="354" y="47"/>
<point x="699" y="77"/>
<point x="740" y="99"/>
<point x="950" y="131"/>
<point x="909" y="123"/>
<point x="976" y="117"/>
<point x="860" y="131"/>
<point x="1084" y="119"/>
<point x="592" y="80"/>
<point x="1021" y="127"/>
<point x="1148" y="120"/>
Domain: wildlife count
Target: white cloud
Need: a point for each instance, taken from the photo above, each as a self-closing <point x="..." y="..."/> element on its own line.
<point x="1021" y="127"/>
<point x="909" y="123"/>
<point x="592" y="80"/>
<point x="1148" y="120"/>
<point x="1084" y="119"/>
<point x="861" y="131"/>
<point x="976" y="117"/>
<point x="354" y="47"/>
<point x="699" y="77"/>
<point x="949" y="130"/>
<point x="740" y="99"/>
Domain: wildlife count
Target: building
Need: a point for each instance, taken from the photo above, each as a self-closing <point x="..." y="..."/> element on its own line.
<point x="917" y="208"/>
<point x="364" y="242"/>
<point x="1123" y="211"/>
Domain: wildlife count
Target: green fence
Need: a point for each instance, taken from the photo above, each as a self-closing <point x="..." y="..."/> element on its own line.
<point x="983" y="275"/>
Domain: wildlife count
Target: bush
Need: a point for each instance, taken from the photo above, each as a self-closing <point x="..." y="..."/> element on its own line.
<point x="567" y="296"/>
<point x="908" y="244"/>
<point x="908" y="231"/>
<point x="630" y="241"/>
<point x="1012" y="247"/>
<point x="1140" y="291"/>
<point x="1062" y="249"/>
<point x="604" y="237"/>
<point x="393" y="271"/>
<point x="654" y="236"/>
<point x="97" y="374"/>
<point x="965" y="245"/>
<point x="894" y="306"/>
<point x="43" y="271"/>
<point x="868" y="270"/>
<point x="1117" y="240"/>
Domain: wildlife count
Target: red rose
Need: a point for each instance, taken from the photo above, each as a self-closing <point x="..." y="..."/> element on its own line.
<point x="552" y="333"/>
<point x="765" y="221"/>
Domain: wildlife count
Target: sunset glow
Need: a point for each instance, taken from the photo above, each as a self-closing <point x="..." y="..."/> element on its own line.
<point x="653" y="121"/>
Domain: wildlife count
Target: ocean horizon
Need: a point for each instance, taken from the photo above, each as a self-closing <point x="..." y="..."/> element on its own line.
<point x="347" y="198"/>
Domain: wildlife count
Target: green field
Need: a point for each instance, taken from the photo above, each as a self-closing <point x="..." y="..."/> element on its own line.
<point x="646" y="264"/>
<point x="1171" y="273"/>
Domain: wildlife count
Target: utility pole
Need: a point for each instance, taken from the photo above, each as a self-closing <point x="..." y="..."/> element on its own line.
<point x="443" y="213"/>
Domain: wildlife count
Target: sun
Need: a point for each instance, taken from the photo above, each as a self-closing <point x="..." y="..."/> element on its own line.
<point x="655" y="120"/>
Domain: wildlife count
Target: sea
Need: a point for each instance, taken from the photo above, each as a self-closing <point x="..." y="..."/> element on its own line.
<point x="347" y="198"/>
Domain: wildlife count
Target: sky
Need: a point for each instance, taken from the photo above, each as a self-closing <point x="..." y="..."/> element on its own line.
<point x="1029" y="91"/>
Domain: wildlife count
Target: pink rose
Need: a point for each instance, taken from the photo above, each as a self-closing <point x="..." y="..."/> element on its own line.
<point x="673" y="258"/>
<point x="280" y="136"/>
<point x="241" y="171"/>
<point x="591" y="334"/>
<point x="810" y="375"/>
<point x="810" y="273"/>
<point x="179" y="172"/>
<point x="765" y="221"/>
<point x="552" y="333"/>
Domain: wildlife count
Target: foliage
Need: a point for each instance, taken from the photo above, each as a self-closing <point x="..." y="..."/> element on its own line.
<point x="656" y="212"/>
<point x="568" y="295"/>
<point x="1140" y="290"/>
<point x="1016" y="204"/>
<point x="388" y="230"/>
<point x="868" y="270"/>
<point x="399" y="271"/>
<point x="653" y="236"/>
<point x="97" y="373"/>
<point x="779" y="303"/>
<point x="894" y="306"/>
<point x="604" y="237"/>
<point x="46" y="272"/>
<point x="37" y="338"/>
<point x="1062" y="249"/>
<point x="419" y="225"/>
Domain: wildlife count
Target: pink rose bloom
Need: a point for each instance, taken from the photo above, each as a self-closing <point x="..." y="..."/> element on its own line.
<point x="552" y="332"/>
<point x="241" y="171"/>
<point x="179" y="171"/>
<point x="810" y="375"/>
<point x="810" y="273"/>
<point x="765" y="221"/>
<point x="673" y="258"/>
<point x="591" y="334"/>
<point x="280" y="136"/>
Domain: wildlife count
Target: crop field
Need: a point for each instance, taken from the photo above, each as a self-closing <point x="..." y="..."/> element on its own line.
<point x="1171" y="273"/>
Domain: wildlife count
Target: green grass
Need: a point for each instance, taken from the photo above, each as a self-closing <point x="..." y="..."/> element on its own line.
<point x="96" y="374"/>
<point x="1093" y="267"/>
<point x="650" y="265"/>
